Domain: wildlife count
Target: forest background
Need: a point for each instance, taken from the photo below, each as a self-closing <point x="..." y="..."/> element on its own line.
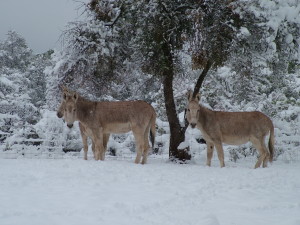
<point x="241" y="55"/>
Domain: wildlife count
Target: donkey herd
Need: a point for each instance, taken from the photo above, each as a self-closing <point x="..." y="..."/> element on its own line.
<point x="97" y="120"/>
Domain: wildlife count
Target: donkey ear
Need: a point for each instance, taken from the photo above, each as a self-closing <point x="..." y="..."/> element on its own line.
<point x="65" y="91"/>
<point x="198" y="96"/>
<point x="189" y="95"/>
<point x="64" y="88"/>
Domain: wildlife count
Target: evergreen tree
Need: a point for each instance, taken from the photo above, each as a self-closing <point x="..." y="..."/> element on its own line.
<point x="92" y="57"/>
<point x="268" y="43"/>
<point x="16" y="108"/>
<point x="15" y="53"/>
<point x="37" y="80"/>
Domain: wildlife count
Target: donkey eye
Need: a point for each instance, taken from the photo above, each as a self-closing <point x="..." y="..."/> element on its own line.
<point x="189" y="110"/>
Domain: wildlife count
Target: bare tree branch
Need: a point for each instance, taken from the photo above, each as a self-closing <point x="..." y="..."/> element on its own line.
<point x="201" y="78"/>
<point x="111" y="24"/>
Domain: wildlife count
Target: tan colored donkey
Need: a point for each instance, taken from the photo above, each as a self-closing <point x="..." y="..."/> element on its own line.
<point x="233" y="128"/>
<point x="84" y="133"/>
<point x="103" y="118"/>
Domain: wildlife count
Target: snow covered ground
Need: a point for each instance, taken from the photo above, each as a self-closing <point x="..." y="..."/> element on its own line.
<point x="73" y="191"/>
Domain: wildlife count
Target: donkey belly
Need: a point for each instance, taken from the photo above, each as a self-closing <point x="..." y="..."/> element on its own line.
<point x="235" y="140"/>
<point x="117" y="128"/>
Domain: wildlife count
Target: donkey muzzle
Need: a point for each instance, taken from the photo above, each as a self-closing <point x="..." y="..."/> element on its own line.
<point x="193" y="125"/>
<point x="70" y="125"/>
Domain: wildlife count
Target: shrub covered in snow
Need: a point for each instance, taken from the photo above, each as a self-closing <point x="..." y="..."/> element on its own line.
<point x="261" y="73"/>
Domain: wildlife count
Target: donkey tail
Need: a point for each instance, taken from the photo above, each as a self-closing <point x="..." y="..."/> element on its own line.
<point x="152" y="129"/>
<point x="271" y="143"/>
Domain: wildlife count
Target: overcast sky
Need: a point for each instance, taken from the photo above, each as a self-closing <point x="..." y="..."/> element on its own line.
<point x="40" y="22"/>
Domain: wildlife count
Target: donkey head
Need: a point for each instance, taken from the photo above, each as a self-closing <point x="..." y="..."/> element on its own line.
<point x="61" y="109"/>
<point x="193" y="108"/>
<point x="69" y="106"/>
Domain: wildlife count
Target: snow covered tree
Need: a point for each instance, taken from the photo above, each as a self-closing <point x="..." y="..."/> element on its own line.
<point x="268" y="44"/>
<point x="16" y="108"/>
<point x="92" y="57"/>
<point x="162" y="28"/>
<point x="216" y="27"/>
<point x="258" y="41"/>
<point x="37" y="79"/>
<point x="15" y="52"/>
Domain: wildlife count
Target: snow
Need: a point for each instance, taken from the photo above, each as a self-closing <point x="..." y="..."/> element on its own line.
<point x="225" y="71"/>
<point x="42" y="185"/>
<point x="74" y="191"/>
<point x="5" y="81"/>
<point x="244" y="32"/>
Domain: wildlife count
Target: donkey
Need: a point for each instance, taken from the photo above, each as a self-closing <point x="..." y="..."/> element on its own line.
<point x="233" y="128"/>
<point x="83" y="132"/>
<point x="103" y="118"/>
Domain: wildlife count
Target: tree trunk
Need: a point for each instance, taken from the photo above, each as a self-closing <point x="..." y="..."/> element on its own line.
<point x="196" y="90"/>
<point x="176" y="133"/>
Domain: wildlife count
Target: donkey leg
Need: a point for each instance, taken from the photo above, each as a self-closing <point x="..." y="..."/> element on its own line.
<point x="210" y="151"/>
<point x="266" y="159"/>
<point x="84" y="141"/>
<point x="85" y="145"/>
<point x="145" y="153"/>
<point x="98" y="140"/>
<point x="101" y="146"/>
<point x="146" y="145"/>
<point x="220" y="152"/>
<point x="139" y="151"/>
<point x="93" y="149"/>
<point x="267" y="155"/>
<point x="139" y="139"/>
<point x="105" y="142"/>
<point x="96" y="150"/>
<point x="262" y="153"/>
<point x="102" y="151"/>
